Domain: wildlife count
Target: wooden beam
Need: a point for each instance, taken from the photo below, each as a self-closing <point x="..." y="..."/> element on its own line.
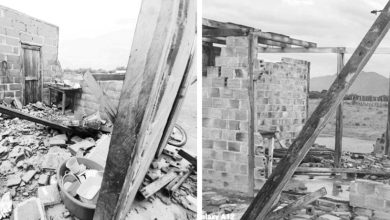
<point x="213" y="40"/>
<point x="186" y="82"/>
<point x="339" y="120"/>
<point x="379" y="50"/>
<point x="262" y="203"/>
<point x="379" y="172"/>
<point x="252" y="45"/>
<point x="109" y="77"/>
<point x="302" y="50"/>
<point x="162" y="45"/>
<point x="387" y="136"/>
<point x="284" y="39"/>
<point x="208" y="23"/>
<point x="206" y="32"/>
<point x="188" y="157"/>
<point x="273" y="43"/>
<point x="270" y="156"/>
<point x="104" y="101"/>
<point x="155" y="186"/>
<point x="297" y="204"/>
<point x="345" y="50"/>
<point x="21" y="115"/>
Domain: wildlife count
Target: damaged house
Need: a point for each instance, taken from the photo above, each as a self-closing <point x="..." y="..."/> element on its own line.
<point x="71" y="144"/>
<point x="28" y="56"/>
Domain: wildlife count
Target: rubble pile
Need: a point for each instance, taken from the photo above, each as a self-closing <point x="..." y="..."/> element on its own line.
<point x="30" y="155"/>
<point x="172" y="179"/>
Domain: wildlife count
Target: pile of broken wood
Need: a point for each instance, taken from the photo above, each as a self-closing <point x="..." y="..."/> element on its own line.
<point x="172" y="178"/>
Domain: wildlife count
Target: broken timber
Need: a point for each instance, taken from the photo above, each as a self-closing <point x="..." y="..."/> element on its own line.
<point x="262" y="203"/>
<point x="21" y="115"/>
<point x="161" y="48"/>
<point x="296" y="205"/>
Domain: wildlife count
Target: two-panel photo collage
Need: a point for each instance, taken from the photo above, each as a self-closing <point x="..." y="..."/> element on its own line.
<point x="195" y="110"/>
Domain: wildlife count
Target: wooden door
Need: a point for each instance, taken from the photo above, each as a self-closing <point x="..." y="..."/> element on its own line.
<point x="32" y="74"/>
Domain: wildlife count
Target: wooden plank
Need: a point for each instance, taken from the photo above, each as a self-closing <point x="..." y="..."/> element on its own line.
<point x="270" y="156"/>
<point x="262" y="203"/>
<point x="252" y="45"/>
<point x="163" y="40"/>
<point x="188" y="157"/>
<point x="345" y="50"/>
<point x="209" y="23"/>
<point x="155" y="186"/>
<point x="179" y="100"/>
<point x="109" y="77"/>
<point x="303" y="170"/>
<point x="297" y="205"/>
<point x="108" y="106"/>
<point x="302" y="50"/>
<point x="214" y="40"/>
<point x="21" y="115"/>
<point x="339" y="120"/>
<point x="379" y="50"/>
<point x="181" y="181"/>
<point x="387" y="136"/>
<point x="273" y="43"/>
<point x="284" y="39"/>
<point x="225" y="32"/>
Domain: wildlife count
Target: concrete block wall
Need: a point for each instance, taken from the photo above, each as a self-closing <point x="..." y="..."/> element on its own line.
<point x="225" y="111"/>
<point x="281" y="97"/>
<point x="87" y="103"/>
<point x="17" y="28"/>
<point x="370" y="195"/>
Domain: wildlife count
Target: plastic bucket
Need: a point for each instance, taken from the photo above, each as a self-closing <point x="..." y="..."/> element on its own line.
<point x="81" y="210"/>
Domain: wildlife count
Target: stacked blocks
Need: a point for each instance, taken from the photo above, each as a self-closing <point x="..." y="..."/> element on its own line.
<point x="17" y="28"/>
<point x="225" y="112"/>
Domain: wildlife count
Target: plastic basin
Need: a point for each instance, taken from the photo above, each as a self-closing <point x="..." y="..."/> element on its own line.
<point x="81" y="210"/>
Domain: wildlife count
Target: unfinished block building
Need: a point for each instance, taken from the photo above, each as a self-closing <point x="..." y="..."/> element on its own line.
<point x="28" y="56"/>
<point x="280" y="92"/>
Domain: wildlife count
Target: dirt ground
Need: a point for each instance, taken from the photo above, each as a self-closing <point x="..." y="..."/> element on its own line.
<point x="360" y="122"/>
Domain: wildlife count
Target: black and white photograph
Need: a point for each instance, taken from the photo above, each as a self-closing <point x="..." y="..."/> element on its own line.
<point x="295" y="99"/>
<point x="98" y="110"/>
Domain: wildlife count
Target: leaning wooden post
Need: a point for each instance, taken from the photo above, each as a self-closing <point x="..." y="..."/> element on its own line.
<point x="263" y="201"/>
<point x="159" y="57"/>
<point x="387" y="143"/>
<point x="339" y="119"/>
<point x="252" y="45"/>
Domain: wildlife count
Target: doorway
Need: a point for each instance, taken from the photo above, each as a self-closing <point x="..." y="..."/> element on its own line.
<point x="32" y="74"/>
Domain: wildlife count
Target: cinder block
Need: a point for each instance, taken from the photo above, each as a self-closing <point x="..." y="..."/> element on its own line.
<point x="234" y="83"/>
<point x="220" y="145"/>
<point x="234" y="146"/>
<point x="228" y="156"/>
<point x="220" y="165"/>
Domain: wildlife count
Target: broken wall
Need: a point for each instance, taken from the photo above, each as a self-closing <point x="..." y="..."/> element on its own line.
<point x="280" y="101"/>
<point x="87" y="102"/>
<point x="17" y="29"/>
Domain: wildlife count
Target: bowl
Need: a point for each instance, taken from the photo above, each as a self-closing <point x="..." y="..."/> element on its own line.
<point x="83" y="211"/>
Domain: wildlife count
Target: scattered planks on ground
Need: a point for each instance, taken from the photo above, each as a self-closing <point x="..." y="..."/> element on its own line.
<point x="296" y="205"/>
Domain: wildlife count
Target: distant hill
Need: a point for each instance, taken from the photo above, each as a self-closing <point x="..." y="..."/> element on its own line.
<point x="367" y="83"/>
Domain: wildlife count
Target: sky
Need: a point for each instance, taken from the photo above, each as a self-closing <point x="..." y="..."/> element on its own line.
<point x="329" y="23"/>
<point x="93" y="33"/>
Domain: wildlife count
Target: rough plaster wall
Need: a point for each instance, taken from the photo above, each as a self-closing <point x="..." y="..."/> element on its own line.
<point x="17" y="28"/>
<point x="225" y="113"/>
